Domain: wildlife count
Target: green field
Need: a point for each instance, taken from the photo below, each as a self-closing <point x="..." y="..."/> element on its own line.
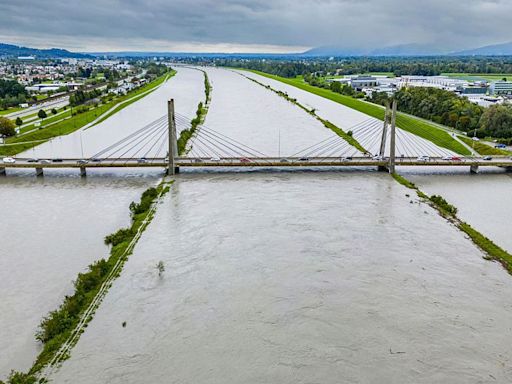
<point x="10" y="110"/>
<point x="479" y="76"/>
<point x="408" y="123"/>
<point x="72" y="124"/>
<point x="483" y="149"/>
<point x="389" y="74"/>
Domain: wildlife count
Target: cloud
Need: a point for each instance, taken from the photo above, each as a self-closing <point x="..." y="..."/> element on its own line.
<point x="258" y="25"/>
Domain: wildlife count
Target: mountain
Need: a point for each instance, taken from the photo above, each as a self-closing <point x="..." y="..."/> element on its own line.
<point x="8" y="50"/>
<point x="334" y="50"/>
<point x="488" y="50"/>
<point x="408" y="50"/>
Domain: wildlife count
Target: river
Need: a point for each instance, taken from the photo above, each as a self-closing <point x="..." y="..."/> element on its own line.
<point x="53" y="227"/>
<point x="296" y="277"/>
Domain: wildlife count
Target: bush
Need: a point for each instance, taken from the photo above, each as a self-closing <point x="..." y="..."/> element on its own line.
<point x="443" y="205"/>
<point x="120" y="236"/>
<point x="145" y="201"/>
<point x="7" y="127"/>
<point x="20" y="378"/>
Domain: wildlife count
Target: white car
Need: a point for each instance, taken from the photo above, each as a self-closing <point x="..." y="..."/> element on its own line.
<point x="447" y="158"/>
<point x="215" y="158"/>
<point x="378" y="157"/>
<point x="9" y="160"/>
<point x="423" y="158"/>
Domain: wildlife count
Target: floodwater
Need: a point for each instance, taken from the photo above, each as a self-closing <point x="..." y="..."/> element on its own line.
<point x="53" y="227"/>
<point x="299" y="278"/>
<point x="483" y="200"/>
<point x="366" y="130"/>
<point x="259" y="118"/>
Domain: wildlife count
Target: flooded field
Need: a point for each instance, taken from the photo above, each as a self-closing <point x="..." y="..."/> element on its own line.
<point x="53" y="227"/>
<point x="299" y="278"/>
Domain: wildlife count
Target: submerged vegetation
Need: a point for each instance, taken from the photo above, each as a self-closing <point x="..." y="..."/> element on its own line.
<point x="60" y="329"/>
<point x="449" y="212"/>
<point x="202" y="110"/>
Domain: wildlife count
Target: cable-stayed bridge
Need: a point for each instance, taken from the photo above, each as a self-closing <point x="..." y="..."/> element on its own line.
<point x="155" y="145"/>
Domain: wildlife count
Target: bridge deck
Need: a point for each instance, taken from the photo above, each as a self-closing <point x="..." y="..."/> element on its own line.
<point x="254" y="162"/>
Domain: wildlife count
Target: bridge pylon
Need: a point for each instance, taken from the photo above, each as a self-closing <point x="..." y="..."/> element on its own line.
<point x="389" y="123"/>
<point x="172" y="169"/>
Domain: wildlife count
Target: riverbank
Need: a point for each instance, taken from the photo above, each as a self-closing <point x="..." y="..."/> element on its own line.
<point x="94" y="116"/>
<point x="202" y="110"/>
<point x="408" y="123"/>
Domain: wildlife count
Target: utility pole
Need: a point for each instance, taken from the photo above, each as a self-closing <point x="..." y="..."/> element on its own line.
<point x="173" y="141"/>
<point x="382" y="151"/>
<point x="393" y="139"/>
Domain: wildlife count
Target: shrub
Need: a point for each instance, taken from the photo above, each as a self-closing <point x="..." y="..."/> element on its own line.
<point x="120" y="236"/>
<point x="443" y="205"/>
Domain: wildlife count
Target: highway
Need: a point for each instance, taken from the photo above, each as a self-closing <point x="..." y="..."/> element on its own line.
<point x="250" y="162"/>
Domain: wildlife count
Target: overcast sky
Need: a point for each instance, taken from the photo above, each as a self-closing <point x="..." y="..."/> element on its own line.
<point x="252" y="25"/>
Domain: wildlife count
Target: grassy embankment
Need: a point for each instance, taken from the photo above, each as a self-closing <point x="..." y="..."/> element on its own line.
<point x="202" y="110"/>
<point x="408" y="123"/>
<point x="449" y="212"/>
<point x="63" y="326"/>
<point x="347" y="136"/>
<point x="483" y="149"/>
<point x="79" y="120"/>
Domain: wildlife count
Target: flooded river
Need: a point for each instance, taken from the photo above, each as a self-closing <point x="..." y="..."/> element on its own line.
<point x="53" y="227"/>
<point x="296" y="277"/>
<point x="299" y="278"/>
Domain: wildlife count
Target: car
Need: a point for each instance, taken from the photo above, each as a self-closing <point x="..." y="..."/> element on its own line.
<point x="215" y="158"/>
<point x="423" y="158"/>
<point x="142" y="160"/>
<point x="501" y="146"/>
<point x="44" y="161"/>
<point x="348" y="158"/>
<point x="456" y="158"/>
<point x="95" y="160"/>
<point x="57" y="160"/>
<point x="447" y="158"/>
<point x="304" y="159"/>
<point x="343" y="159"/>
<point x="198" y="160"/>
<point x="378" y="157"/>
<point x="9" y="160"/>
<point x="82" y="161"/>
<point x="245" y="160"/>
<point x="474" y="138"/>
<point x="284" y="161"/>
<point x="487" y="158"/>
<point x="33" y="160"/>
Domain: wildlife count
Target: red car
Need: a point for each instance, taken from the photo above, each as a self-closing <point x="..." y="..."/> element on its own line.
<point x="455" y="158"/>
<point x="245" y="160"/>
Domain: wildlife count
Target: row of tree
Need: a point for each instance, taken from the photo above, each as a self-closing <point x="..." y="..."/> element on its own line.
<point x="80" y="96"/>
<point x="447" y="108"/>
<point x="11" y="93"/>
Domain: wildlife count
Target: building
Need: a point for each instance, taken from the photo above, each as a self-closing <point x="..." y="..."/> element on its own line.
<point x="361" y="82"/>
<point x="501" y="88"/>
<point x="472" y="89"/>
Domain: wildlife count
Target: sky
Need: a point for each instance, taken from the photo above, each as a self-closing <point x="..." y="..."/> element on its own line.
<point x="252" y="25"/>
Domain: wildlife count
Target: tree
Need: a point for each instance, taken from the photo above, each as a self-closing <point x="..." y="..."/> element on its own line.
<point x="54" y="111"/>
<point x="497" y="121"/>
<point x="19" y="122"/>
<point x="41" y="114"/>
<point x="7" y="127"/>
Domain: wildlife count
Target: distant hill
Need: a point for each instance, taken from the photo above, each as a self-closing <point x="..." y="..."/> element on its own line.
<point x="408" y="50"/>
<point x="8" y="50"/>
<point x="488" y="50"/>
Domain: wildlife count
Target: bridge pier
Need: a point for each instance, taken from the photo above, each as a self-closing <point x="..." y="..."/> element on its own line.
<point x="39" y="171"/>
<point x="176" y="171"/>
<point x="2" y="171"/>
<point x="473" y="169"/>
<point x="382" y="168"/>
<point x="83" y="171"/>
